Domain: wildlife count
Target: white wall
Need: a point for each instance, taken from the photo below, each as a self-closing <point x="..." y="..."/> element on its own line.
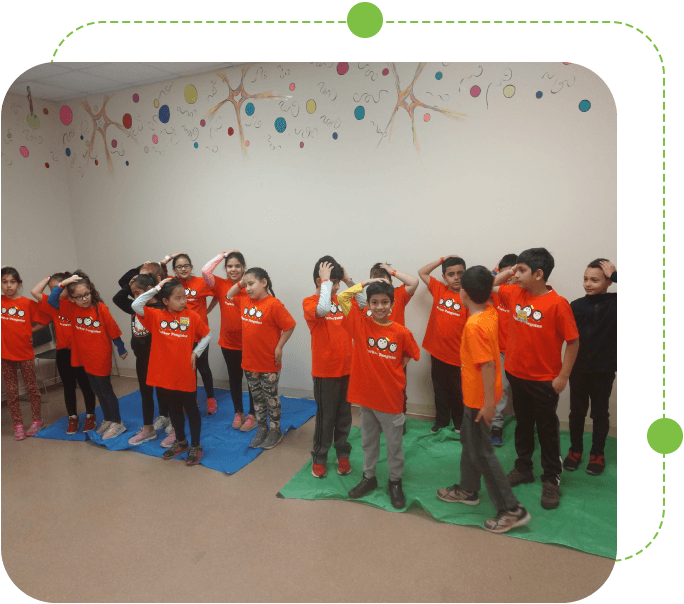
<point x="509" y="174"/>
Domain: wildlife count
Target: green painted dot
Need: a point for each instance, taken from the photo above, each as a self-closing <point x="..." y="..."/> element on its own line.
<point x="664" y="435"/>
<point x="364" y="20"/>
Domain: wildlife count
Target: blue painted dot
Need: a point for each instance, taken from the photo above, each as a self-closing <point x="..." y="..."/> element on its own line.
<point x="438" y="75"/>
<point x="334" y="135"/>
<point x="360" y="112"/>
<point x="280" y="124"/>
<point x="81" y="137"/>
<point x="249" y="109"/>
<point x="126" y="163"/>
<point x="68" y="152"/>
<point x="584" y="106"/>
<point x="196" y="145"/>
<point x="540" y="94"/>
<point x="164" y="114"/>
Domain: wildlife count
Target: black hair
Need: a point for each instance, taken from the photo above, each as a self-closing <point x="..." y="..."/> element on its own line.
<point x="159" y="270"/>
<point x="507" y="261"/>
<point x="454" y="261"/>
<point x="167" y="289"/>
<point x="538" y="258"/>
<point x="261" y="274"/>
<point x="175" y="259"/>
<point x="13" y="272"/>
<point x="238" y="256"/>
<point x="336" y="273"/>
<point x="59" y="277"/>
<point x="377" y="271"/>
<point x="597" y="263"/>
<point x="145" y="281"/>
<point x="380" y="287"/>
<point x="477" y="282"/>
<point x="95" y="297"/>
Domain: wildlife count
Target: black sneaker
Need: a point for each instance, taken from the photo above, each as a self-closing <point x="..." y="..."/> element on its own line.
<point x="550" y="496"/>
<point x="273" y="437"/>
<point x="572" y="461"/>
<point x="596" y="465"/>
<point x="194" y="456"/>
<point x="497" y="437"/>
<point x="176" y="449"/>
<point x="364" y="487"/>
<point x="259" y="437"/>
<point x="516" y="477"/>
<point x="397" y="494"/>
<point x="436" y="428"/>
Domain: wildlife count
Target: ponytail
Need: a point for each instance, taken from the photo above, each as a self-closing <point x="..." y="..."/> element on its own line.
<point x="260" y="274"/>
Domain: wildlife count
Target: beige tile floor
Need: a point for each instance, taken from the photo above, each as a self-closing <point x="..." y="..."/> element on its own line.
<point x="83" y="524"/>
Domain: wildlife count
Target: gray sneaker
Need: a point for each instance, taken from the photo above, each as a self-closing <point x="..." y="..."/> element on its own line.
<point x="161" y="422"/>
<point x="104" y="426"/>
<point x="273" y="438"/>
<point x="259" y="437"/>
<point x="114" y="430"/>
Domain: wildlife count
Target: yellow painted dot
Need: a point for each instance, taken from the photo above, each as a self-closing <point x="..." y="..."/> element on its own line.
<point x="190" y="94"/>
<point x="156" y="102"/>
<point x="311" y="105"/>
<point x="509" y="91"/>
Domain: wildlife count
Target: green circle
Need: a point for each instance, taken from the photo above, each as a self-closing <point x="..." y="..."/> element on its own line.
<point x="364" y="20"/>
<point x="665" y="435"/>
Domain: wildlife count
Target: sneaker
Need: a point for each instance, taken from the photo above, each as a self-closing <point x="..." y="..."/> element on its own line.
<point x="505" y="521"/>
<point x="516" y="477"/>
<point x="211" y="409"/>
<point x="104" y="426"/>
<point x="363" y="488"/>
<point x="169" y="440"/>
<point x="238" y="421"/>
<point x="436" y="428"/>
<point x="161" y="422"/>
<point x="497" y="437"/>
<point x="142" y="436"/>
<point x="19" y="433"/>
<point x="456" y="494"/>
<point x="273" y="437"/>
<point x="550" y="496"/>
<point x="596" y="465"/>
<point x="169" y="429"/>
<point x="250" y="424"/>
<point x="572" y="461"/>
<point x="35" y="427"/>
<point x="343" y="466"/>
<point x="318" y="470"/>
<point x="397" y="497"/>
<point x="259" y="437"/>
<point x="90" y="423"/>
<point x="72" y="428"/>
<point x="195" y="455"/>
<point x="114" y="430"/>
<point x="175" y="450"/>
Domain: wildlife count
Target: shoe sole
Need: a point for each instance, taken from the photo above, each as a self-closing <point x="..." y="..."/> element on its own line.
<point x="570" y="469"/>
<point x="34" y="433"/>
<point x="243" y="429"/>
<point x="344" y="473"/>
<point x="360" y="496"/>
<point x="522" y="522"/>
<point x="398" y="507"/>
<point x="318" y="475"/>
<point x="71" y="433"/>
<point x="114" y="435"/>
<point x="550" y="506"/>
<point x="20" y="438"/>
<point x="194" y="463"/>
<point x="594" y="473"/>
<point x="177" y="454"/>
<point x="476" y="502"/>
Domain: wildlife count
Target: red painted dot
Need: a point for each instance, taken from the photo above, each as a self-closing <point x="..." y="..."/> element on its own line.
<point x="230" y="131"/>
<point x="475" y="91"/>
<point x="292" y="86"/>
<point x="246" y="143"/>
<point x="136" y="97"/>
<point x="301" y="145"/>
<point x="426" y="117"/>
<point x="127" y="120"/>
<point x="203" y="123"/>
<point x="47" y="165"/>
<point x="342" y="68"/>
<point x="567" y="63"/>
<point x="114" y="144"/>
<point x="45" y="111"/>
<point x="385" y="71"/>
<point x="96" y="162"/>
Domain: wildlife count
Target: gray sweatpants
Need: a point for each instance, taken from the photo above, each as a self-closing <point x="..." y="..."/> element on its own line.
<point x="497" y="421"/>
<point x="392" y="424"/>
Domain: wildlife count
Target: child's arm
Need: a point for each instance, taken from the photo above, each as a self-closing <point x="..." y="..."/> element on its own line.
<point x="235" y="289"/>
<point x="128" y="276"/>
<point x="37" y="291"/>
<point x="344" y="299"/>
<point x="502" y="277"/>
<point x="212" y="304"/>
<point x="488" y="381"/>
<point x="138" y="305"/>
<point x="609" y="270"/>
<point x="210" y="267"/>
<point x="122" y="298"/>
<point x="55" y="294"/>
<point x="424" y="273"/>
<point x="409" y="281"/>
<point x="349" y="282"/>
<point x="324" y="298"/>
<point x="571" y="349"/>
<point x="284" y="337"/>
<point x="171" y="257"/>
<point x="199" y="349"/>
<point x="120" y="348"/>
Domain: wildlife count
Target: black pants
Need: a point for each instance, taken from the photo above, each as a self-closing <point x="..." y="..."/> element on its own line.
<point x="142" y="361"/>
<point x="205" y="372"/>
<point x="333" y="418"/>
<point x="233" y="360"/>
<point x="586" y="386"/>
<point x="535" y="404"/>
<point x="70" y="376"/>
<point x="102" y="385"/>
<point x="446" y="381"/>
<point x="176" y="401"/>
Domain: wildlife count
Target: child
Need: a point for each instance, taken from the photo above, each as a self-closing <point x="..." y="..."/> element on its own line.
<point x="172" y="369"/>
<point x="482" y="387"/>
<point x="331" y="359"/>
<point x="402" y="296"/>
<point x="18" y="314"/>
<point x="94" y="332"/>
<point x="196" y="292"/>
<point x="69" y="374"/>
<point x="230" y="338"/>
<point x="541" y="323"/>
<point x="381" y="348"/>
<point x="443" y="339"/>
<point x="266" y="327"/>
<point x="504" y="315"/>
<point x="593" y="373"/>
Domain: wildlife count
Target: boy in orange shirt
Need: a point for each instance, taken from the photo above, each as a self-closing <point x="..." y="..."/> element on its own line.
<point x="542" y="321"/>
<point x="481" y="373"/>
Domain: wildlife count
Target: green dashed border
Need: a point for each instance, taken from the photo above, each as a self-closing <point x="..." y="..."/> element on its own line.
<point x="662" y="65"/>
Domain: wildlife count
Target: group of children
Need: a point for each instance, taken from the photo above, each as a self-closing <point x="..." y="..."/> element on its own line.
<point x="490" y="338"/>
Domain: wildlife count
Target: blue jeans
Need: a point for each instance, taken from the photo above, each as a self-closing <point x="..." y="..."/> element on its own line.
<point x="102" y="387"/>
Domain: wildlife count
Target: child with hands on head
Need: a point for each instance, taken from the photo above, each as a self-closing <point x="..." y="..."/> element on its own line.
<point x="179" y="337"/>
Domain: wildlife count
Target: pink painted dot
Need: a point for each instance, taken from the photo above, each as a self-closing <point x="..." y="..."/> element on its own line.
<point x="114" y="143"/>
<point x="292" y="86"/>
<point x="155" y="139"/>
<point x="301" y="145"/>
<point x="475" y="91"/>
<point x="47" y="165"/>
<point x="385" y="71"/>
<point x="246" y="143"/>
<point x="66" y="115"/>
<point x="342" y="68"/>
<point x="127" y="120"/>
<point x="567" y="63"/>
<point x="426" y="117"/>
<point x="24" y="151"/>
<point x="230" y="131"/>
<point x="203" y="123"/>
<point x="136" y="97"/>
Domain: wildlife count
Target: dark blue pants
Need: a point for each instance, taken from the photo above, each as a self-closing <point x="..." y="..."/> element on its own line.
<point x="102" y="386"/>
<point x="70" y="376"/>
<point x="176" y="401"/>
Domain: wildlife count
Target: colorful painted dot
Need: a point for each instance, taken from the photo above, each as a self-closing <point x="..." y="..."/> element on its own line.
<point x="164" y="114"/>
<point x="342" y="68"/>
<point x="475" y="91"/>
<point x="230" y="131"/>
<point x="301" y="145"/>
<point x="249" y="108"/>
<point x="45" y="111"/>
<point x="47" y="165"/>
<point x="147" y="149"/>
<point x="426" y="117"/>
<point x="246" y="143"/>
<point x="68" y="152"/>
<point x="126" y="163"/>
<point x="9" y="135"/>
<point x="155" y="139"/>
<point x="664" y="436"/>
<point x="66" y="115"/>
<point x="203" y="123"/>
<point x="96" y="162"/>
<point x="311" y="105"/>
<point x="334" y="136"/>
<point x="24" y="151"/>
<point x="438" y="75"/>
<point x="156" y="103"/>
<point x="584" y="106"/>
<point x="540" y="94"/>
<point x="127" y="120"/>
<point x="360" y="112"/>
<point x="114" y="143"/>
<point x="136" y="97"/>
<point x="280" y="124"/>
<point x="196" y="145"/>
<point x="190" y="94"/>
<point x="509" y="91"/>
<point x="292" y="86"/>
<point x="33" y="121"/>
<point x="385" y="71"/>
<point x="81" y="137"/>
<point x="564" y="63"/>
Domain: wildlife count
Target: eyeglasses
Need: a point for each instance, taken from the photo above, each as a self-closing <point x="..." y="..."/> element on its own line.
<point x="183" y="267"/>
<point x="83" y="297"/>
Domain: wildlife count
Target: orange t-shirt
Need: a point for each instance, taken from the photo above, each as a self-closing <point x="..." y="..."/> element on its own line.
<point x="398" y="312"/>
<point x="539" y="327"/>
<point x="231" y="322"/>
<point x="263" y="322"/>
<point x="504" y="321"/>
<point x="17" y="316"/>
<point x="331" y="346"/>
<point x="196" y="291"/>
<point x="61" y="323"/>
<point x="480" y="344"/>
<point x="173" y="337"/>
<point x="94" y="328"/>
<point x="447" y="320"/>
<point x="377" y="379"/>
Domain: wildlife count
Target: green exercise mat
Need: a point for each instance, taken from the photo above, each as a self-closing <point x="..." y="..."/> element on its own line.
<point x="586" y="518"/>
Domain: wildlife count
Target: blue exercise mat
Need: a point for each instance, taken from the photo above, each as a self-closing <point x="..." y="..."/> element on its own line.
<point x="225" y="449"/>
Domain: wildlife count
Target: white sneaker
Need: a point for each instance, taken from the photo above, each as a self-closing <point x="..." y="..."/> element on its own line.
<point x="169" y="428"/>
<point x="161" y="422"/>
<point x="114" y="430"/>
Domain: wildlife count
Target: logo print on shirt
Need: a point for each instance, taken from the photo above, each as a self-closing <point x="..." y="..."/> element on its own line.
<point x="13" y="311"/>
<point x="138" y="328"/>
<point x="174" y="325"/>
<point x="190" y="292"/>
<point x="449" y="303"/>
<point x="253" y="312"/>
<point x="63" y="319"/>
<point x="522" y="314"/>
<point x="382" y="344"/>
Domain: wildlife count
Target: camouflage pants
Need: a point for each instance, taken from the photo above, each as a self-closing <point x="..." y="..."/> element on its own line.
<point x="264" y="389"/>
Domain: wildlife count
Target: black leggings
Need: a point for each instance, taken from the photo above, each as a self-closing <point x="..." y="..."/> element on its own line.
<point x="205" y="372"/>
<point x="142" y="361"/>
<point x="233" y="360"/>
<point x="70" y="376"/>
<point x="176" y="401"/>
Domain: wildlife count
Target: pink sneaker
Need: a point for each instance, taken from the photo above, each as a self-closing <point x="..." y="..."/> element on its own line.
<point x="142" y="436"/>
<point x="169" y="440"/>
<point x="19" y="433"/>
<point x="238" y="421"/>
<point x="250" y="424"/>
<point x="211" y="406"/>
<point x="34" y="428"/>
